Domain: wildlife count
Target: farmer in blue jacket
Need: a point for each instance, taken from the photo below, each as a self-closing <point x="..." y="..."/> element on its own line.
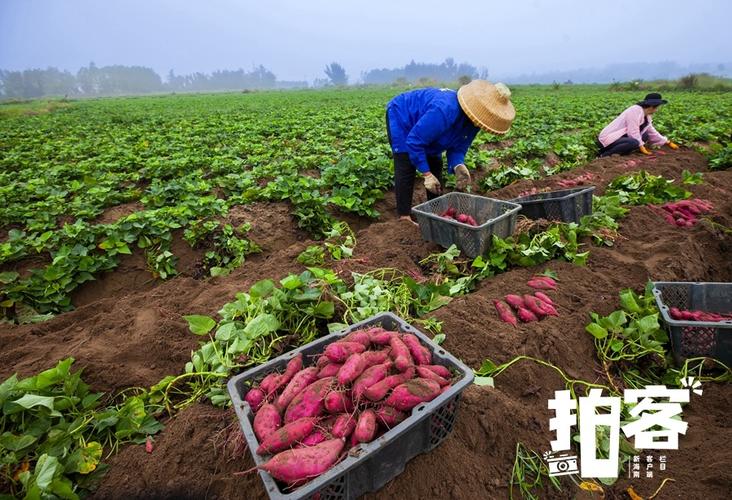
<point x="424" y="123"/>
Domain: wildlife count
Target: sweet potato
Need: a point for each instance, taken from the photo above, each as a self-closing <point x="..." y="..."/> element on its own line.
<point x="514" y="300"/>
<point x="400" y="353"/>
<point x="286" y="436"/>
<point x="338" y="352"/>
<point x="504" y="312"/>
<point x="532" y="306"/>
<point x="351" y="369"/>
<point x="406" y="396"/>
<point x="365" y="427"/>
<point x="526" y="315"/>
<point x="329" y="370"/>
<point x="255" y="398"/>
<point x="442" y="371"/>
<point x="316" y="437"/>
<point x="379" y="336"/>
<point x="389" y="416"/>
<point x="300" y="381"/>
<point x="541" y="284"/>
<point x="293" y="367"/>
<point x="369" y="377"/>
<point x="430" y="375"/>
<point x="304" y="463"/>
<point x="338" y="402"/>
<point x="268" y="383"/>
<point x="378" y="391"/>
<point x="375" y="357"/>
<point x="266" y="421"/>
<point x="309" y="402"/>
<point x="360" y="336"/>
<point x="344" y="425"/>
<point x="544" y="297"/>
<point x="420" y="354"/>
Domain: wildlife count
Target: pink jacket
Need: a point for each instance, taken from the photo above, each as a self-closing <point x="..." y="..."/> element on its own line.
<point x="629" y="122"/>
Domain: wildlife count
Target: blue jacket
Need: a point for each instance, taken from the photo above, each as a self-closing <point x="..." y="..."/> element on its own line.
<point x="426" y="122"/>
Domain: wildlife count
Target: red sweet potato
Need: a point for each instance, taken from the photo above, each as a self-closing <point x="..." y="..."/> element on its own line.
<point x="338" y="352"/>
<point x="369" y="377"/>
<point x="266" y="421"/>
<point x="316" y="437"/>
<point x="544" y="297"/>
<point x="365" y="427"/>
<point x="330" y="370"/>
<point x="541" y="284"/>
<point x="286" y="436"/>
<point x="442" y="371"/>
<point x="375" y="357"/>
<point x="351" y="369"/>
<point x="430" y="375"/>
<point x="293" y="367"/>
<point x="379" y="336"/>
<point x="534" y="305"/>
<point x="389" y="416"/>
<point x="526" y="315"/>
<point x="504" y="312"/>
<point x="338" y="402"/>
<point x="406" y="396"/>
<point x="304" y="463"/>
<point x="310" y="401"/>
<point x="269" y="383"/>
<point x="420" y="354"/>
<point x="255" y="398"/>
<point x="514" y="301"/>
<point x="360" y="336"/>
<point x="378" y="391"/>
<point x="344" y="425"/>
<point x="300" y="381"/>
<point x="400" y="353"/>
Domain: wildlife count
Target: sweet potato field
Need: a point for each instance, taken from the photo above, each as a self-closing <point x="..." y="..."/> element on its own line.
<point x="151" y="248"/>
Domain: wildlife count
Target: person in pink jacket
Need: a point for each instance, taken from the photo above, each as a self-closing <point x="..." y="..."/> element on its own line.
<point x="633" y="129"/>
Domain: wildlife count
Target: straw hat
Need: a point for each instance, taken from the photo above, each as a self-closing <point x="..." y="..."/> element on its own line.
<point x="487" y="105"/>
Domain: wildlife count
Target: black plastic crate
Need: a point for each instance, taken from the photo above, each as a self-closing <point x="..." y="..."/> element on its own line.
<point x="369" y="466"/>
<point x="690" y="339"/>
<point x="566" y="205"/>
<point x="492" y="216"/>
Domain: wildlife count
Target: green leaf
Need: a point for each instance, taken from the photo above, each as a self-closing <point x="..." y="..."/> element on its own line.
<point x="216" y="271"/>
<point x="649" y="324"/>
<point x="29" y="401"/>
<point x="262" y="288"/>
<point x="84" y="459"/>
<point x="487" y="368"/>
<point x="483" y="381"/>
<point x="12" y="442"/>
<point x="324" y="310"/>
<point x="628" y="302"/>
<point x="336" y="327"/>
<point x="200" y="325"/>
<point x="439" y="338"/>
<point x="45" y="470"/>
<point x="226" y="332"/>
<point x="596" y="331"/>
<point x="262" y="324"/>
<point x="8" y="277"/>
<point x="291" y="282"/>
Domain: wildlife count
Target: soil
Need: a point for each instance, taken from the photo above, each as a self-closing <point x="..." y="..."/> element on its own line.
<point x="134" y="336"/>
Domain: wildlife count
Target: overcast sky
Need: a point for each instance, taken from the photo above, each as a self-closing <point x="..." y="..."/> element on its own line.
<point x="295" y="39"/>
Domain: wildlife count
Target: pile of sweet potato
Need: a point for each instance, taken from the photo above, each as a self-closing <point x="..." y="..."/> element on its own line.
<point x="451" y="213"/>
<point x="528" y="307"/>
<point x="360" y="387"/>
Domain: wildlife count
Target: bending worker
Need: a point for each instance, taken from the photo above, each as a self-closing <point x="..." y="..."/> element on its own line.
<point x="633" y="129"/>
<point x="424" y="123"/>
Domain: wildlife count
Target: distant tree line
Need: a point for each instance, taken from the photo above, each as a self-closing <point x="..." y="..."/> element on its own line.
<point x="117" y="80"/>
<point x="414" y="72"/>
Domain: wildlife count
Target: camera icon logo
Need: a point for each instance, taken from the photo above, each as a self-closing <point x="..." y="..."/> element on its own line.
<point x="562" y="465"/>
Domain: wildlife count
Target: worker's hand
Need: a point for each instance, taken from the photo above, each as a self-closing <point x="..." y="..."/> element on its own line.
<point x="644" y="150"/>
<point x="432" y="184"/>
<point x="672" y="145"/>
<point x="462" y="177"/>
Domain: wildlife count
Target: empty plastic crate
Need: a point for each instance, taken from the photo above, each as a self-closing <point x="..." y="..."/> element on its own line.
<point x="368" y="466"/>
<point x="492" y="216"/>
<point x="566" y="205"/>
<point x="690" y="339"/>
